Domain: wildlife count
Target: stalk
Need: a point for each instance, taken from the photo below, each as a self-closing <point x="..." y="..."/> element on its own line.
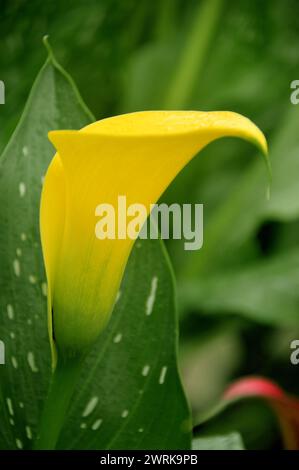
<point x="64" y="380"/>
<point x="166" y="20"/>
<point x="194" y="53"/>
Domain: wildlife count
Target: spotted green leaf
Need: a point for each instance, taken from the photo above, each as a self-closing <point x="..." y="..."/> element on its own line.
<point x="129" y="395"/>
<point x="53" y="103"/>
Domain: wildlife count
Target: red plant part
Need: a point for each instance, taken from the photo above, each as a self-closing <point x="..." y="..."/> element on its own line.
<point x="285" y="406"/>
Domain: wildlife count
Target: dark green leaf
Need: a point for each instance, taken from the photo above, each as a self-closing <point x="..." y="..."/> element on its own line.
<point x="54" y="103"/>
<point x="267" y="291"/>
<point x="252" y="419"/>
<point x="132" y="369"/>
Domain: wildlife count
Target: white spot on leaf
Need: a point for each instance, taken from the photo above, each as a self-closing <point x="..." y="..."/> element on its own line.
<point x="28" y="432"/>
<point x="14" y="362"/>
<point x="96" y="424"/>
<point x="145" y="370"/>
<point x="10" y="312"/>
<point x="19" y="443"/>
<point x="152" y="296"/>
<point x="124" y="413"/>
<point x="9" y="406"/>
<point x="17" y="267"/>
<point x="44" y="289"/>
<point x="162" y="375"/>
<point x="31" y="362"/>
<point x="118" y="338"/>
<point x="25" y="151"/>
<point x="90" y="406"/>
<point x="22" y="189"/>
<point x="32" y="279"/>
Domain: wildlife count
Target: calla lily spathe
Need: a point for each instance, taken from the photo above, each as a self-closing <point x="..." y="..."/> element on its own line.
<point x="136" y="155"/>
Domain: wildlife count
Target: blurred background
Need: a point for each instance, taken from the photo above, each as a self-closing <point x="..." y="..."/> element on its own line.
<point x="239" y="296"/>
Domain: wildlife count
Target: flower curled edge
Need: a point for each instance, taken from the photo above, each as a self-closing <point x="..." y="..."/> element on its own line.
<point x="136" y="155"/>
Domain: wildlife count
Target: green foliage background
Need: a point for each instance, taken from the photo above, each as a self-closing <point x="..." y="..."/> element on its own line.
<point x="238" y="296"/>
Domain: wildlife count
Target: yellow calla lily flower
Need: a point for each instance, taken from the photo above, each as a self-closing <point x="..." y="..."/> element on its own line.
<point x="136" y="155"/>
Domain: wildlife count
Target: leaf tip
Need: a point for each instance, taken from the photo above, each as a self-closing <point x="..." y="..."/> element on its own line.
<point x="49" y="49"/>
<point x="47" y="44"/>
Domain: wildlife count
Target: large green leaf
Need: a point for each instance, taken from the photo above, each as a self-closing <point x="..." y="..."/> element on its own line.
<point x="266" y="291"/>
<point x="132" y="370"/>
<point x="53" y="103"/>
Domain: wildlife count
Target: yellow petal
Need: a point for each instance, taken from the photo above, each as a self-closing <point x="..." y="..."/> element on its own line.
<point x="136" y="155"/>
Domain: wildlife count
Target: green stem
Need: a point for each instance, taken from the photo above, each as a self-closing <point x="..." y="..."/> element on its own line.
<point x="166" y="20"/>
<point x="62" y="387"/>
<point x="194" y="53"/>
